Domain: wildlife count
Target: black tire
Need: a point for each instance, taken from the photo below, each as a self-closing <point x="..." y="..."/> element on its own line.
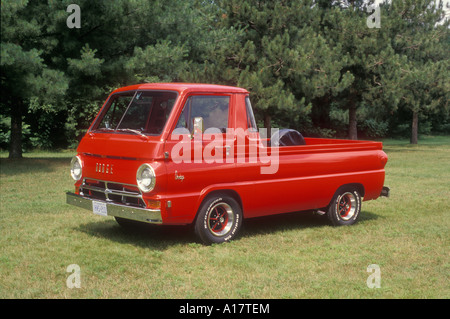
<point x="345" y="207"/>
<point x="219" y="220"/>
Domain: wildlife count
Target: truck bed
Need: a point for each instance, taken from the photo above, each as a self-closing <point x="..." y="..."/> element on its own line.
<point x="332" y="145"/>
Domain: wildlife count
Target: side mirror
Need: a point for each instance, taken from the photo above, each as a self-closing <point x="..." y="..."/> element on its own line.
<point x="198" y="125"/>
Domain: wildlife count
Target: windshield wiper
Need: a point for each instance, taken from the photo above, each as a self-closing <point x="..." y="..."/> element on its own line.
<point x="132" y="131"/>
<point x="104" y="129"/>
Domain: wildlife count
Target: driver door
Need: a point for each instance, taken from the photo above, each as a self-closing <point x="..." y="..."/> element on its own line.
<point x="199" y="151"/>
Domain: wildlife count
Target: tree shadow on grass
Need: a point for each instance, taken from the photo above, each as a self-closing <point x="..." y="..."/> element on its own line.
<point x="293" y="221"/>
<point x="143" y="235"/>
<point x="161" y="237"/>
<point x="404" y="150"/>
<point x="283" y="222"/>
<point x="365" y="217"/>
<point x="32" y="165"/>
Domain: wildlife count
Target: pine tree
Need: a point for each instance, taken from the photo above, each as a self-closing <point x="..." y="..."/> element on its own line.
<point x="284" y="60"/>
<point x="362" y="50"/>
<point x="25" y="70"/>
<point x="420" y="36"/>
<point x="52" y="71"/>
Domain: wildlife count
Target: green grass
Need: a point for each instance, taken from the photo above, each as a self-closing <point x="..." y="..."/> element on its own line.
<point x="286" y="256"/>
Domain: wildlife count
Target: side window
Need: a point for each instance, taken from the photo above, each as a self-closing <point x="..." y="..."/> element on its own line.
<point x="212" y="109"/>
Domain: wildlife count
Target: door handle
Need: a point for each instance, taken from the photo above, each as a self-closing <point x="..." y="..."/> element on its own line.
<point x="226" y="147"/>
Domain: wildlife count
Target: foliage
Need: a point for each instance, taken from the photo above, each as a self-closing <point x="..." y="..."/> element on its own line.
<point x="312" y="65"/>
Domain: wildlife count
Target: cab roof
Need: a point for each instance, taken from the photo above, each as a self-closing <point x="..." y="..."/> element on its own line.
<point x="184" y="88"/>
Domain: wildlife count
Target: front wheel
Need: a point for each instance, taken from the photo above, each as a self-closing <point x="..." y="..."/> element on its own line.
<point x="345" y="207"/>
<point x="219" y="220"/>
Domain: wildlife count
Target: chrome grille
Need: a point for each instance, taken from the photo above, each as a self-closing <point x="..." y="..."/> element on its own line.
<point x="118" y="193"/>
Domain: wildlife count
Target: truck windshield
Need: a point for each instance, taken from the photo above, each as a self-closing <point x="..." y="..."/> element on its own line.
<point x="141" y="112"/>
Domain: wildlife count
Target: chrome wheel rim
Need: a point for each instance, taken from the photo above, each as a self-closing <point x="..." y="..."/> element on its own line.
<point x="220" y="219"/>
<point x="346" y="206"/>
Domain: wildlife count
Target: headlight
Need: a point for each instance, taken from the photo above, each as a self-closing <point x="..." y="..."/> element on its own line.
<point x="76" y="168"/>
<point x="146" y="178"/>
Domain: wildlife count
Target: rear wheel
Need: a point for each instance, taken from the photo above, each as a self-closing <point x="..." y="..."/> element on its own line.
<point x="345" y="207"/>
<point x="219" y="220"/>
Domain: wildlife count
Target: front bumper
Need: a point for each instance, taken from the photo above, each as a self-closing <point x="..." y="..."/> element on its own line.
<point x="152" y="216"/>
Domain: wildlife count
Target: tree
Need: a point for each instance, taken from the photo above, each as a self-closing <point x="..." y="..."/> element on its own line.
<point x="25" y="72"/>
<point x="364" y="55"/>
<point x="284" y="59"/>
<point x="49" y="69"/>
<point x="306" y="62"/>
<point x="418" y="35"/>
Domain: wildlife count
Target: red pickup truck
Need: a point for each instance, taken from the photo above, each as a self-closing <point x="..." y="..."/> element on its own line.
<point x="176" y="153"/>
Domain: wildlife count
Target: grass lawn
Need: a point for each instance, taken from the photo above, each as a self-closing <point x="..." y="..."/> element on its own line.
<point x="295" y="255"/>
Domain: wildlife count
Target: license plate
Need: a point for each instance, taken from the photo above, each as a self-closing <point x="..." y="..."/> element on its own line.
<point x="99" y="208"/>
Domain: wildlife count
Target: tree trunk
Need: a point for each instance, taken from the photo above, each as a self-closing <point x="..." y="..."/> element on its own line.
<point x="352" y="122"/>
<point x="415" y="127"/>
<point x="15" y="141"/>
